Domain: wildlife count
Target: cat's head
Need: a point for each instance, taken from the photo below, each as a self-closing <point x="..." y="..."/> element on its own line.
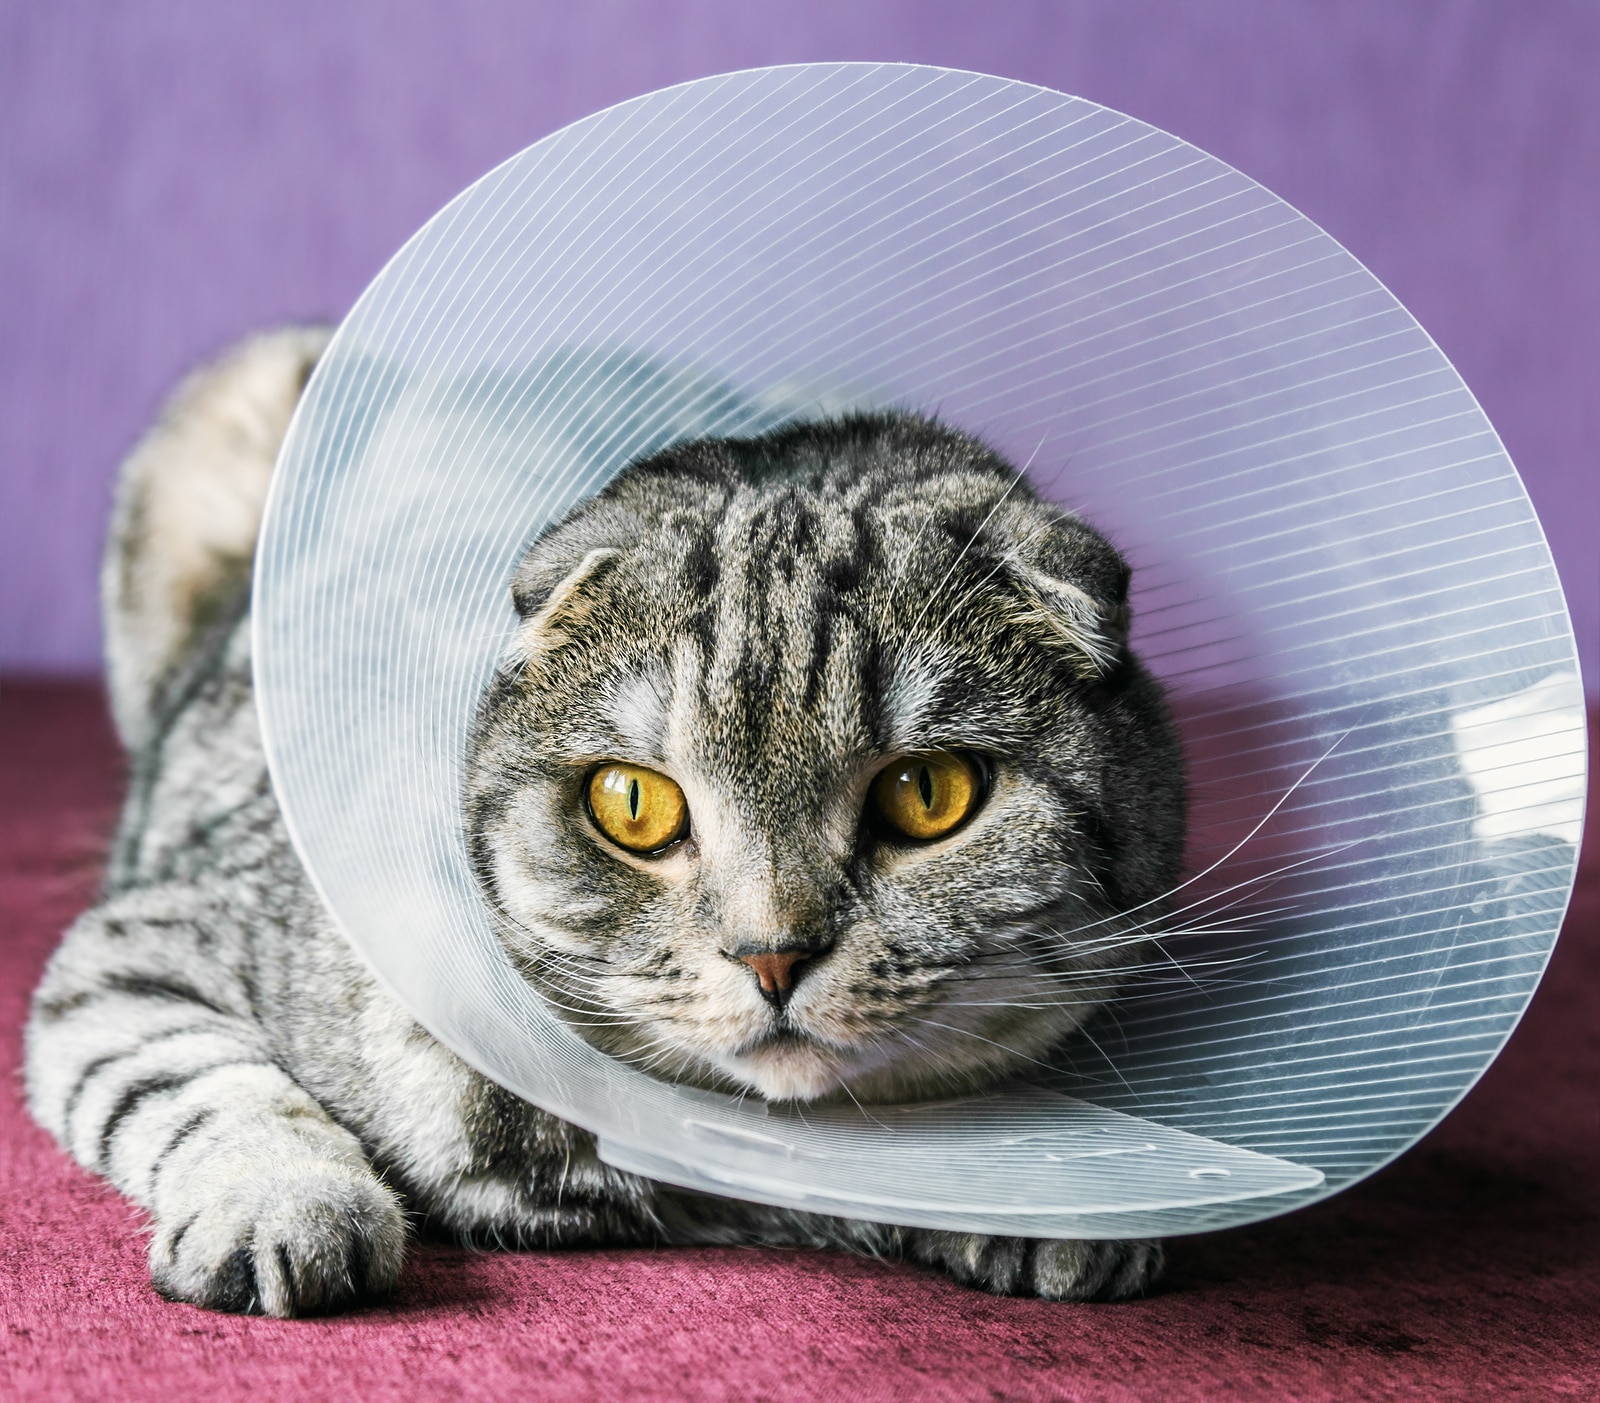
<point x="822" y="763"/>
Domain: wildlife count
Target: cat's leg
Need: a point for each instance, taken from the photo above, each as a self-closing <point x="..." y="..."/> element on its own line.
<point x="144" y="1058"/>
<point x="1007" y="1266"/>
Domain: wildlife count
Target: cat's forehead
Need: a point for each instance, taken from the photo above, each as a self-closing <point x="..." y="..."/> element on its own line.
<point x="808" y="704"/>
<point x="804" y="611"/>
<point x="795" y="554"/>
<point x="788" y="526"/>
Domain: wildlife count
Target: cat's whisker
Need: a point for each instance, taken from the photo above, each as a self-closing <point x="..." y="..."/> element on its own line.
<point x="1014" y="1052"/>
<point x="973" y="540"/>
<point x="845" y="1087"/>
<point x="571" y="985"/>
<point x="1110" y="976"/>
<point x="1162" y="927"/>
<point x="1097" y="992"/>
<point x="972" y="593"/>
<point x="951" y="1074"/>
<point x="1254" y="881"/>
<point x="931" y="517"/>
<point x="1237" y="847"/>
<point x="1105" y="1057"/>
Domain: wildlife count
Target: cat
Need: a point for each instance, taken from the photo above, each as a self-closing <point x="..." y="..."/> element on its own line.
<point x="813" y="750"/>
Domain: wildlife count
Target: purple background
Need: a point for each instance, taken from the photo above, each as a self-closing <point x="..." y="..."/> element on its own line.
<point x="178" y="172"/>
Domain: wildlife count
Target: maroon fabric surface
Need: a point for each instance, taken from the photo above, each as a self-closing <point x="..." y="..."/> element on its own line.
<point x="1470" y="1269"/>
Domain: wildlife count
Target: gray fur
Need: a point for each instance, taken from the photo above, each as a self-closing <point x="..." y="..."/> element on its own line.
<point x="769" y="622"/>
<point x="206" y="1040"/>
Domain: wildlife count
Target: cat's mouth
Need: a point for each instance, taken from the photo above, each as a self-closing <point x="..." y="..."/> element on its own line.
<point x="780" y="1036"/>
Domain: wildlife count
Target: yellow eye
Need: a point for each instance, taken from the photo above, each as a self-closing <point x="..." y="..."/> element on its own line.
<point x="927" y="796"/>
<point x="637" y="808"/>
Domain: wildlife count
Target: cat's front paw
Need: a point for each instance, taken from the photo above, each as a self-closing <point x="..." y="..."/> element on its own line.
<point x="295" y="1239"/>
<point x="1054" y="1270"/>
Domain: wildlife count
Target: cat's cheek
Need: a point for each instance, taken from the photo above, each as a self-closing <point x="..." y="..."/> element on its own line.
<point x="542" y="908"/>
<point x="701" y="1007"/>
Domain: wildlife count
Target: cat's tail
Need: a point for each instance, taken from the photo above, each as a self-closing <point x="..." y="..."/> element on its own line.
<point x="188" y="507"/>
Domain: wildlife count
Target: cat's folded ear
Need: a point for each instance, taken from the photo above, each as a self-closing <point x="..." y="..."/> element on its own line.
<point x="1072" y="588"/>
<point x="546" y="588"/>
<point x="564" y="567"/>
<point x="556" y="589"/>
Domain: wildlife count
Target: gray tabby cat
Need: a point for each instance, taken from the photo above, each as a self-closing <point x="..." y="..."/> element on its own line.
<point x="815" y="751"/>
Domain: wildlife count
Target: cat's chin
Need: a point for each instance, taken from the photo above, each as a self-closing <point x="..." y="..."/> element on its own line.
<point x="788" y="1069"/>
<point x="798" y="1069"/>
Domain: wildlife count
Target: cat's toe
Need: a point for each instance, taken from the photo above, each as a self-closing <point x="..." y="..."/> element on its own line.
<point x="1094" y="1271"/>
<point x="291" y="1242"/>
<point x="1054" y="1270"/>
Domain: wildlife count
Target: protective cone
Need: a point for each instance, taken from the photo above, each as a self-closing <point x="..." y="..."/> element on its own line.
<point x="1337" y="574"/>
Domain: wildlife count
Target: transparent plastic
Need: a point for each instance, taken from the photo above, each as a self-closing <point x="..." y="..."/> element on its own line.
<point x="1338" y="576"/>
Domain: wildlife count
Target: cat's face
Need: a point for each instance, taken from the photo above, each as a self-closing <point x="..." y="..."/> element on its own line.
<point x="822" y="765"/>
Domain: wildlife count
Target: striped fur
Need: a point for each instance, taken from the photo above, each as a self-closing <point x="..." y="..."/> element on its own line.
<point x="205" y="1040"/>
<point x="770" y="622"/>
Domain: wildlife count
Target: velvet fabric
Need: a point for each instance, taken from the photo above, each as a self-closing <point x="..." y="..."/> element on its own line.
<point x="1470" y="1269"/>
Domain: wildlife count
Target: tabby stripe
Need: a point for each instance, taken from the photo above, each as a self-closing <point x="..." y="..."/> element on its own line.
<point x="177" y="1238"/>
<point x="156" y="987"/>
<point x="199" y="836"/>
<point x="360" y="1261"/>
<point x="234" y="1286"/>
<point x="84" y="1077"/>
<point x="54" y="1010"/>
<point x="286" y="1271"/>
<point x="184" y="1132"/>
<point x="137" y="1093"/>
<point x="99" y="1064"/>
<point x="1104" y="1264"/>
<point x="134" y="985"/>
<point x="172" y="697"/>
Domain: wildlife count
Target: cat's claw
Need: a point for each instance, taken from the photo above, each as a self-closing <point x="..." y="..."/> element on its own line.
<point x="1053" y="1270"/>
<point x="297" y="1240"/>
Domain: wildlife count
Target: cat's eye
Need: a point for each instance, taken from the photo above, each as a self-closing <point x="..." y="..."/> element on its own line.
<point x="926" y="796"/>
<point x="638" y="809"/>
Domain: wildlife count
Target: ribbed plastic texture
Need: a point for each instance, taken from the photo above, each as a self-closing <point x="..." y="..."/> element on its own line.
<point x="1338" y="575"/>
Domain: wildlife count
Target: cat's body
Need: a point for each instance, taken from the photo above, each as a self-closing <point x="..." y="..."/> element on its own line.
<point x="206" y="1040"/>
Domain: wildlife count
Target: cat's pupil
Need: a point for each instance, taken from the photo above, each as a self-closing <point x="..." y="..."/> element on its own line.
<point x="633" y="799"/>
<point x="925" y="787"/>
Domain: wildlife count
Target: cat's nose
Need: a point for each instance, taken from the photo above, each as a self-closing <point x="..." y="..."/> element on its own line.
<point x="776" y="971"/>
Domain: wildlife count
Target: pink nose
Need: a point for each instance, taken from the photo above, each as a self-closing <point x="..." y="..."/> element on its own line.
<point x="775" y="970"/>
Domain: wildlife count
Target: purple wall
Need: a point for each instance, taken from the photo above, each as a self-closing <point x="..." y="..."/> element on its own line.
<point x="175" y="173"/>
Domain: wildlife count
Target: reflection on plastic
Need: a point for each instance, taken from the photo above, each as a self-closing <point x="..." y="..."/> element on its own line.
<point x="1518" y="755"/>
